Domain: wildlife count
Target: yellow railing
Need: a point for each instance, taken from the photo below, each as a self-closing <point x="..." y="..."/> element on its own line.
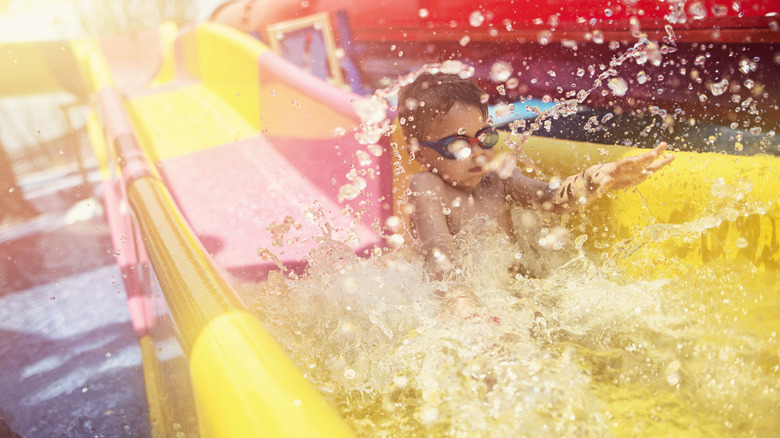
<point x="242" y="382"/>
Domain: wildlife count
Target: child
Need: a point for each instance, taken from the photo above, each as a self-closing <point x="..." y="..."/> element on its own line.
<point x="446" y="122"/>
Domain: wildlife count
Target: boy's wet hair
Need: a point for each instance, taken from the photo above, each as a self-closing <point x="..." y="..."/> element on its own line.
<point x="431" y="95"/>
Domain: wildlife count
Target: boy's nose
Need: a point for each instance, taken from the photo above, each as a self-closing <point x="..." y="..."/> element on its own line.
<point x="478" y="154"/>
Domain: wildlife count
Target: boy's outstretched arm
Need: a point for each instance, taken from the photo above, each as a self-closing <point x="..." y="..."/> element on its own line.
<point x="577" y="190"/>
<point x="436" y="241"/>
<point x="430" y="223"/>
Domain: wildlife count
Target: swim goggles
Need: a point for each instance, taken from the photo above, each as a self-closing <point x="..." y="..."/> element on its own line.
<point x="459" y="146"/>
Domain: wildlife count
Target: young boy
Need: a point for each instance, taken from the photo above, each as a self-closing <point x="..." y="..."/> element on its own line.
<point x="446" y="118"/>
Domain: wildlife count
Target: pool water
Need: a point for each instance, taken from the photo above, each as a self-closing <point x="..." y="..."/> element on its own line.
<point x="584" y="350"/>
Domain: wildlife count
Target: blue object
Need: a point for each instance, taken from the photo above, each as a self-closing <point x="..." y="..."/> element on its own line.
<point x="306" y="49"/>
<point x="520" y="111"/>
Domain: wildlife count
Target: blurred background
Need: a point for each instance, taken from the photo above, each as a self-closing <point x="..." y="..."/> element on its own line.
<point x="70" y="360"/>
<point x="43" y="136"/>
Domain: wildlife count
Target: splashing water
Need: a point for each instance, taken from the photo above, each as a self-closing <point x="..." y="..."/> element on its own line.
<point x="585" y="351"/>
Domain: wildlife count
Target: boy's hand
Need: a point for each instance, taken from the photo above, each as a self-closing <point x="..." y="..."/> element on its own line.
<point x="628" y="171"/>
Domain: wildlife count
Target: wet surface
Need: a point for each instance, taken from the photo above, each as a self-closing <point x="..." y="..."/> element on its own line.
<point x="70" y="360"/>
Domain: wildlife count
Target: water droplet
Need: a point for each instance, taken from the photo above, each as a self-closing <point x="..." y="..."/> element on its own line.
<point x="506" y="166"/>
<point x="460" y="149"/>
<point x="465" y="41"/>
<point x="580" y="72"/>
<point x="429" y="414"/>
<point x="364" y="159"/>
<point x="719" y="188"/>
<point x="607" y="117"/>
<point x="423" y="13"/>
<point x="719" y="10"/>
<point x="742" y="243"/>
<point x="351" y="190"/>
<point x="749" y="84"/>
<point x="633" y="25"/>
<point x="394" y="223"/>
<point x="670" y="33"/>
<point x="500" y="71"/>
<point x="580" y="240"/>
<point x="608" y="12"/>
<point x="512" y="83"/>
<point x="618" y="86"/>
<point x="395" y="240"/>
<point x="484" y="98"/>
<point x="756" y="130"/>
<point x="411" y="103"/>
<point x="598" y="37"/>
<point x="544" y="37"/>
<point x="738" y="146"/>
<point x="697" y="10"/>
<point x="339" y="131"/>
<point x="641" y="77"/>
<point x="719" y="88"/>
<point x="700" y="60"/>
<point x="744" y="66"/>
<point x="476" y="19"/>
<point x="371" y="110"/>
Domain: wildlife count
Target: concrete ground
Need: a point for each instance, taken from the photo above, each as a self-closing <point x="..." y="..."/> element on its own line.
<point x="70" y="362"/>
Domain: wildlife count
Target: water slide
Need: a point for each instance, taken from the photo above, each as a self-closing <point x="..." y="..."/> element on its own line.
<point x="224" y="163"/>
<point x="212" y="162"/>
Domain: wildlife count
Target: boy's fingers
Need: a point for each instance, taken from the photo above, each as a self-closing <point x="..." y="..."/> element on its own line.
<point x="648" y="159"/>
<point x="641" y="161"/>
<point x="657" y="165"/>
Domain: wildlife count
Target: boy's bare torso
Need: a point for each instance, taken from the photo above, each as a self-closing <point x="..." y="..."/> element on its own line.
<point x="488" y="199"/>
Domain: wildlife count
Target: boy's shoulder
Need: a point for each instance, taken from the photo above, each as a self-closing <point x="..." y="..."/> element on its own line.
<point x="425" y="178"/>
<point x="427" y="184"/>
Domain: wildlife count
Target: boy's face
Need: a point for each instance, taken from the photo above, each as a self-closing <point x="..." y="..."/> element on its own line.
<point x="464" y="173"/>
